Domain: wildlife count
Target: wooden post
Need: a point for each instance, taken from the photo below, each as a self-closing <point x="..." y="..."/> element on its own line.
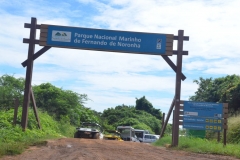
<point x="225" y="126"/>
<point x="28" y="80"/>
<point x="35" y="109"/>
<point x="224" y="137"/>
<point x="163" y="118"/>
<point x="178" y="88"/>
<point x="16" y="105"/>
<point x="172" y="128"/>
<point x="162" y="124"/>
<point x="218" y="138"/>
<point x="36" y="55"/>
<point x="167" y="118"/>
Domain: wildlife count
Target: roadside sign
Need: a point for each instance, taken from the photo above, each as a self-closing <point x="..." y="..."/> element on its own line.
<point x="194" y="119"/>
<point x="202" y="126"/>
<point x="106" y="40"/>
<point x="203" y="109"/>
<point x="198" y="116"/>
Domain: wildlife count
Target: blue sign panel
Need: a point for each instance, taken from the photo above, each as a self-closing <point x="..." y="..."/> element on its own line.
<point x="202" y="126"/>
<point x="203" y="109"/>
<point x="106" y="40"/>
<point x="195" y="119"/>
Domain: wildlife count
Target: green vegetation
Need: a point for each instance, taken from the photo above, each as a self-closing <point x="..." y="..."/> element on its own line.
<point x="209" y="145"/>
<point x="61" y="103"/>
<point x="144" y="105"/>
<point x="222" y="90"/>
<point x="199" y="145"/>
<point x="233" y="135"/>
<point x="13" y="140"/>
<point x="10" y="88"/>
<point x="60" y="111"/>
<point x="130" y="116"/>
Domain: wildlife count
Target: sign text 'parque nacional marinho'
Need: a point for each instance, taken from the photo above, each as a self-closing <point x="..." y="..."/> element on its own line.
<point x="106" y="40"/>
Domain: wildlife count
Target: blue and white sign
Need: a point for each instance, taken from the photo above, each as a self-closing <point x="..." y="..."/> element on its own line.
<point x="203" y="109"/>
<point x="202" y="126"/>
<point x="106" y="40"/>
<point x="195" y="119"/>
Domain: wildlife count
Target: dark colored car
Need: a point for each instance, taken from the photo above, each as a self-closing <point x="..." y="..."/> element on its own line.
<point x="89" y="130"/>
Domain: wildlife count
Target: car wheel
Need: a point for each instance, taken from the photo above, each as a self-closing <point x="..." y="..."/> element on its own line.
<point x="96" y="136"/>
<point x="76" y="135"/>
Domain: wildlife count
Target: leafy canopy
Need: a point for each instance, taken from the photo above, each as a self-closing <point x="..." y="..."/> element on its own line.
<point x="222" y="90"/>
<point x="130" y="116"/>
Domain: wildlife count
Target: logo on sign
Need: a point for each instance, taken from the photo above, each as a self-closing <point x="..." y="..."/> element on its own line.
<point x="159" y="43"/>
<point x="61" y="36"/>
<point x="218" y="115"/>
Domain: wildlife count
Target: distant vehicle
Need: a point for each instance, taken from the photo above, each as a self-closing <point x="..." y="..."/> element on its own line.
<point x="112" y="135"/>
<point x="149" y="138"/>
<point x="127" y="133"/>
<point x="140" y="133"/>
<point x="89" y="130"/>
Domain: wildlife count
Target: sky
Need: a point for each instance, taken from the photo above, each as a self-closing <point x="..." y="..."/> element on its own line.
<point x="110" y="78"/>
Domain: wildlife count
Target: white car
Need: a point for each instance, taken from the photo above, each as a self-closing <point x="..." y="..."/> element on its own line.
<point x="149" y="138"/>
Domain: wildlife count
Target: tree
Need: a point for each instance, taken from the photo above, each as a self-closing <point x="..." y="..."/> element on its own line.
<point x="128" y="115"/>
<point x="145" y="105"/>
<point x="59" y="103"/>
<point x="222" y="90"/>
<point x="10" y="89"/>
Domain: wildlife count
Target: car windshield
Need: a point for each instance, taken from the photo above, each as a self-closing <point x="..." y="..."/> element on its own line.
<point x="114" y="133"/>
<point x="90" y="125"/>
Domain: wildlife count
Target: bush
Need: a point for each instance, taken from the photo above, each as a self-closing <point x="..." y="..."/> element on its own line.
<point x="233" y="132"/>
<point x="14" y="141"/>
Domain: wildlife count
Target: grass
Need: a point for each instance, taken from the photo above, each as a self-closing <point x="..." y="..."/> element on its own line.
<point x="14" y="141"/>
<point x="15" y="148"/>
<point x="233" y="135"/>
<point x="199" y="145"/>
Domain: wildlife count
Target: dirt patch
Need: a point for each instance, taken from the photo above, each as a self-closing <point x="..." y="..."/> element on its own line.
<point x="93" y="149"/>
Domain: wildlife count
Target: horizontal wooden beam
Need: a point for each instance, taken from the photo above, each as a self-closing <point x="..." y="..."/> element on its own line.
<point x="169" y="45"/>
<point x="44" y="30"/>
<point x="43" y="34"/>
<point x="44" y="26"/>
<point x="43" y="38"/>
<point x="169" y="36"/>
<point x="42" y="43"/>
<point x="185" y="38"/>
<point x="28" y="25"/>
<point x="183" y="52"/>
<point x="168" y="40"/>
<point x="25" y="40"/>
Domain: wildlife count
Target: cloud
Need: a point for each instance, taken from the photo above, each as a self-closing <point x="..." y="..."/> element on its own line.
<point x="210" y="19"/>
<point x="112" y="79"/>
